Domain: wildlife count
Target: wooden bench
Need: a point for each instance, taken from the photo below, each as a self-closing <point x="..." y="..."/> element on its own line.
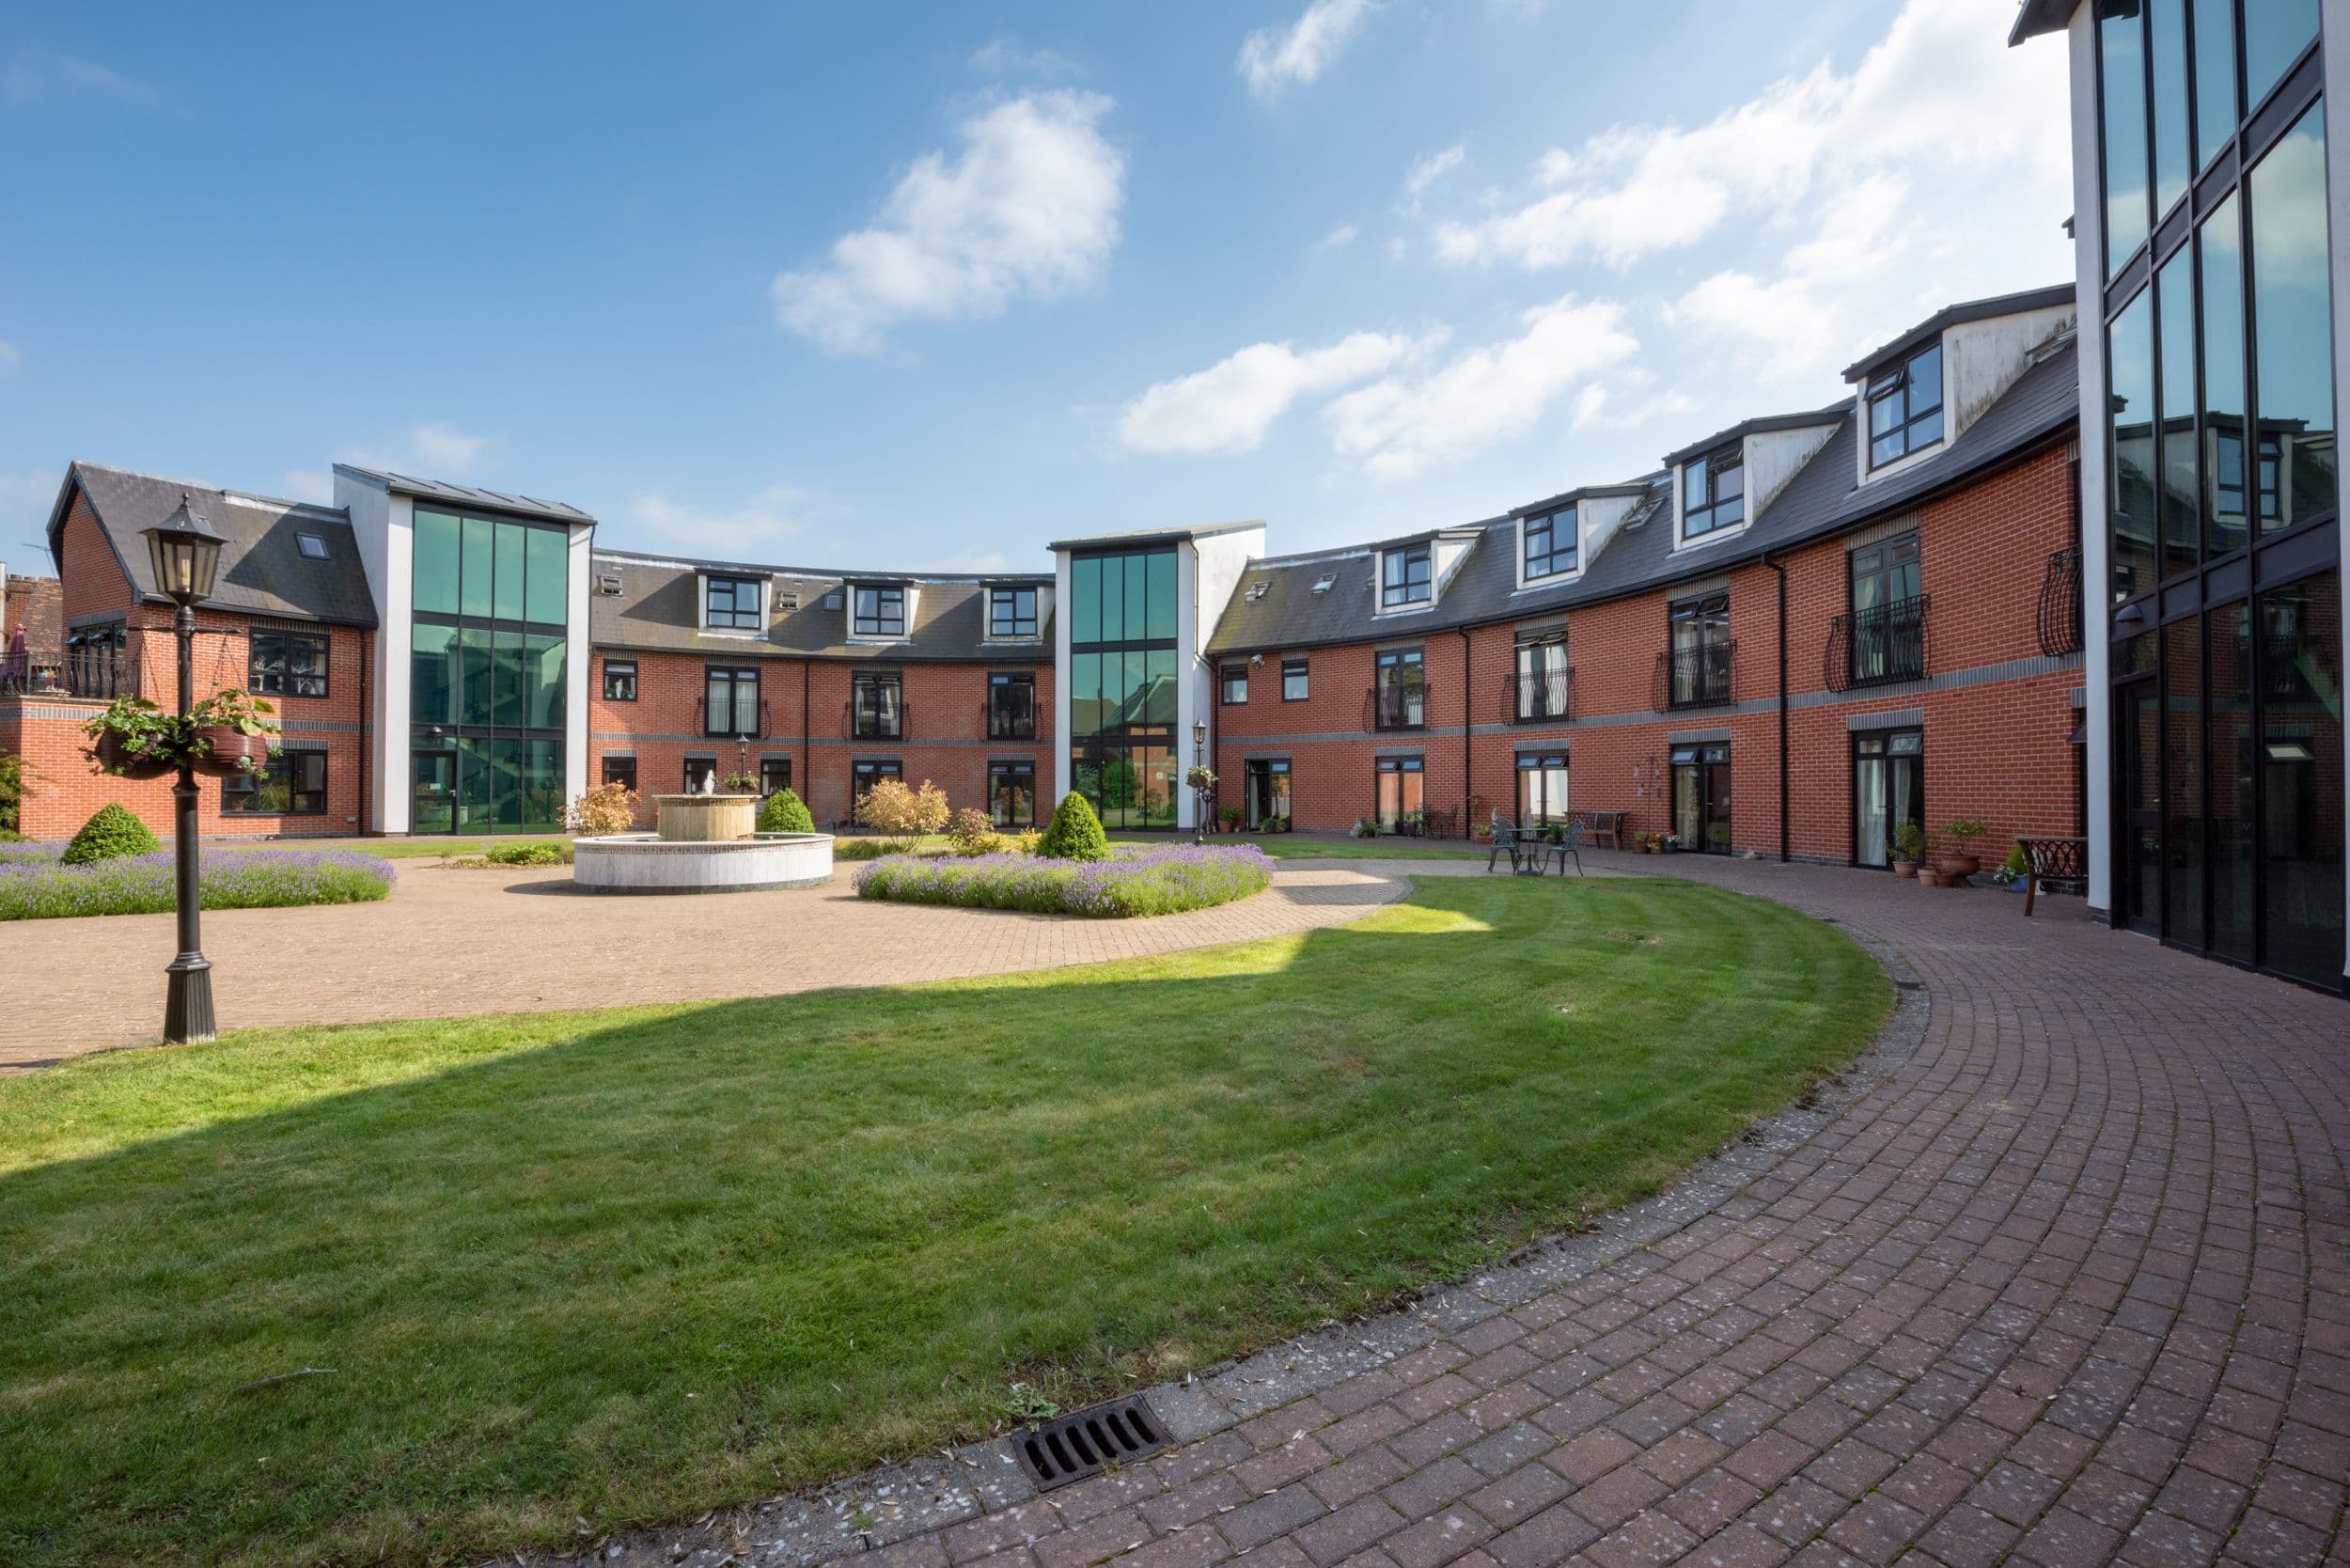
<point x="2052" y="860"/>
<point x="1599" y="827"/>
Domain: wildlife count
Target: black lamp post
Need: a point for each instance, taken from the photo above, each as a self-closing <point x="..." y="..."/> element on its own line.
<point x="186" y="554"/>
<point x="1200" y="795"/>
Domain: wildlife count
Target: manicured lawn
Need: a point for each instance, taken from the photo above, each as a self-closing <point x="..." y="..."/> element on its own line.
<point x="630" y="1265"/>
<point x="1286" y="846"/>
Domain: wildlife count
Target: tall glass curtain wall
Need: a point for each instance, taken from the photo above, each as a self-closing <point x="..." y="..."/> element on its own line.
<point x="1123" y="686"/>
<point x="2224" y="511"/>
<point x="486" y="684"/>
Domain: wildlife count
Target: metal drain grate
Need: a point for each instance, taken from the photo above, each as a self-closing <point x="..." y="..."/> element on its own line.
<point x="1086" y="1442"/>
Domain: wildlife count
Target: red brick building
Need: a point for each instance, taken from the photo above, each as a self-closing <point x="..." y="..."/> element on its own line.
<point x="1774" y="645"/>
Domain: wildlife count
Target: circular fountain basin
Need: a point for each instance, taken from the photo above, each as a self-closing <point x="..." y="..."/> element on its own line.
<point x="647" y="863"/>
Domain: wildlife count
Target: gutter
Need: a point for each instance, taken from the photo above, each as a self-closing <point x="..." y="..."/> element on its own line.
<point x="1785" y="805"/>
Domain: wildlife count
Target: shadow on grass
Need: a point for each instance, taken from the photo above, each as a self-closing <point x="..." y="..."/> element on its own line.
<point x="627" y="1266"/>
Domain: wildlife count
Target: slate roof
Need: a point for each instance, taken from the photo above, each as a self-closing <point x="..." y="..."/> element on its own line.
<point x="1824" y="498"/>
<point x="2035" y="16"/>
<point x="262" y="568"/>
<point x="466" y="495"/>
<point x="658" y="610"/>
<point x="2050" y="298"/>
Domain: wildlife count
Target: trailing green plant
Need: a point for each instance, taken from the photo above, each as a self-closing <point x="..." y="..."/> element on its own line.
<point x="1075" y="833"/>
<point x="110" y="834"/>
<point x="739" y="784"/>
<point x="785" y="812"/>
<point x="232" y="709"/>
<point x="141" y="732"/>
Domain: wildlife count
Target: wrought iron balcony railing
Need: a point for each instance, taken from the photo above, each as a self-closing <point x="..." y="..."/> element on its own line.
<point x="1008" y="723"/>
<point x="2059" y="621"/>
<point x="1398" y="705"/>
<point x="1538" y="698"/>
<point x="90" y="670"/>
<point x="870" y="721"/>
<point x="1878" y="646"/>
<point x="1698" y="677"/>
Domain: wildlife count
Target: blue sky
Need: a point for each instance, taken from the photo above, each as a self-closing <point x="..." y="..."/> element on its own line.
<point x="931" y="285"/>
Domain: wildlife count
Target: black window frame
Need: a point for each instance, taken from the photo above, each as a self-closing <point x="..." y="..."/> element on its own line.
<point x="1539" y="765"/>
<point x="768" y="766"/>
<point x="1886" y="640"/>
<point x="869" y="720"/>
<point x="1297" y="669"/>
<point x="1407" y="576"/>
<point x="1544" y="693"/>
<point x="734" y="677"/>
<point x="878" y="623"/>
<point x="1550" y="527"/>
<point x="1231" y="679"/>
<point x="278" y="684"/>
<point x="1715" y="504"/>
<point x="1002" y="725"/>
<point x="872" y="770"/>
<point x="1700" y="674"/>
<point x="734" y="617"/>
<point x="311" y="546"/>
<point x="1396" y="712"/>
<point x="1004" y="617"/>
<point x="1001" y="768"/>
<point x="618" y="768"/>
<point x="1900" y="381"/>
<point x="619" y="670"/>
<point x="247" y="786"/>
<point x="707" y="762"/>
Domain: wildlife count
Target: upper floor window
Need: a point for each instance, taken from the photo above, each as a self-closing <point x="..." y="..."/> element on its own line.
<point x="1011" y="706"/>
<point x="881" y="612"/>
<point x="1905" y="406"/>
<point x="1699" y="656"/>
<point x="1712" y="493"/>
<point x="1294" y="688"/>
<point x="731" y="604"/>
<point x="1012" y="612"/>
<point x="287" y="663"/>
<point x="1886" y="634"/>
<point x="619" y="680"/>
<point x="877" y="706"/>
<point x="1550" y="543"/>
<point x="1405" y="576"/>
<point x="733" y="700"/>
<point x="1235" y="683"/>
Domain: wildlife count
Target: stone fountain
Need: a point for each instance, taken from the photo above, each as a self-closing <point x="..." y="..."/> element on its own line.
<point x="704" y="844"/>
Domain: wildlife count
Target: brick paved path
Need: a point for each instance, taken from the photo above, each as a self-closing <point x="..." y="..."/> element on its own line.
<point x="456" y="943"/>
<point x="2066" y="1287"/>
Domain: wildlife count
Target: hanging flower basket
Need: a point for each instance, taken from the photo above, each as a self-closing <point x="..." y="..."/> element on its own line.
<point x="112" y="755"/>
<point x="226" y="752"/>
<point x="135" y="739"/>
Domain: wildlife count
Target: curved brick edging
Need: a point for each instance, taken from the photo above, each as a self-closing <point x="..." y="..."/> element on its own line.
<point x="2061" y="1282"/>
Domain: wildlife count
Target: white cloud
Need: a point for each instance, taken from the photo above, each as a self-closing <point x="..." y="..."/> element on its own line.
<point x="766" y="519"/>
<point x="444" y="449"/>
<point x="1337" y="239"/>
<point x="1006" y="56"/>
<point x="1029" y="208"/>
<point x="1230" y="405"/>
<point x="1271" y="59"/>
<point x="1596" y="407"/>
<point x="33" y="75"/>
<point x="1425" y="172"/>
<point x="10" y="355"/>
<point x="1398" y="427"/>
<point x="1633" y="190"/>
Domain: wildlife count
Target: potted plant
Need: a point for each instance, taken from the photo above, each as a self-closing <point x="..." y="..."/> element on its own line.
<point x="2011" y="873"/>
<point x="1956" y="861"/>
<point x="1909" y="847"/>
<point x="1200" y="778"/>
<point x="231" y="732"/>
<point x="134" y="739"/>
<point x="1228" y="818"/>
<point x="739" y="784"/>
<point x="1667" y="843"/>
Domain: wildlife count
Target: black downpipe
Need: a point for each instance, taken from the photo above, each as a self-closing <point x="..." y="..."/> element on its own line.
<point x="1468" y="740"/>
<point x="1785" y="806"/>
<point x="807" y="741"/>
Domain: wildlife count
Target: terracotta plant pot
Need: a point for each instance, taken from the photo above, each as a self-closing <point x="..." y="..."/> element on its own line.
<point x="230" y="751"/>
<point x="113" y="759"/>
<point x="1957" y="868"/>
<point x="1905" y="867"/>
<point x="1929" y="877"/>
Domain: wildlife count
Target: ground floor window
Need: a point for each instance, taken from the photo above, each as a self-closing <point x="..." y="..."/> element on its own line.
<point x="1542" y="787"/>
<point x="485" y="783"/>
<point x="291" y="784"/>
<point x="620" y="771"/>
<point x="1401" y="792"/>
<point x="1131" y="783"/>
<point x="865" y="773"/>
<point x="1265" y="789"/>
<point x="702" y="773"/>
<point x="1889" y="777"/>
<point x="775" y="774"/>
<point x="1701" y="796"/>
<point x="1011" y="794"/>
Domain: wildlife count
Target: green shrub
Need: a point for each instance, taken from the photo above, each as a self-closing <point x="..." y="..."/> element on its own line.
<point x="112" y="833"/>
<point x="528" y="854"/>
<point x="1075" y="833"/>
<point x="12" y="793"/>
<point x="870" y="849"/>
<point x="785" y="812"/>
<point x="1160" y="881"/>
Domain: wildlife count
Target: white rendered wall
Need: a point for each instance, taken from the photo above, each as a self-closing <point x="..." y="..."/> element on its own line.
<point x="579" y="583"/>
<point x="2089" y="263"/>
<point x="382" y="525"/>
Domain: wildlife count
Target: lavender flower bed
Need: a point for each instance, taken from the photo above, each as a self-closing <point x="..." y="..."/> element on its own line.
<point x="34" y="886"/>
<point x="1150" y="882"/>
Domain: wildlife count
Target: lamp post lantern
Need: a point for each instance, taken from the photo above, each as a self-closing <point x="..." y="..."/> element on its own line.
<point x="1198" y="794"/>
<point x="185" y="554"/>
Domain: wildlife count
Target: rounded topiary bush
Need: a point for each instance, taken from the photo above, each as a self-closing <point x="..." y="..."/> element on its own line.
<point x="109" y="834"/>
<point x="785" y="814"/>
<point x="1075" y="833"/>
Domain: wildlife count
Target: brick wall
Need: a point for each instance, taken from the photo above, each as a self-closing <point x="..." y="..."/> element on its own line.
<point x="1995" y="716"/>
<point x="944" y="724"/>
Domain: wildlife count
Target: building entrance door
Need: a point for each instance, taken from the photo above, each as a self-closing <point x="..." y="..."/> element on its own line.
<point x="433" y="799"/>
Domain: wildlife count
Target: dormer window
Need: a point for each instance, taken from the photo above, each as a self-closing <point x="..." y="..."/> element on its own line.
<point x="1905" y="406"/>
<point x="1551" y="541"/>
<point x="1012" y="612"/>
<point x="311" y="546"/>
<point x="731" y="604"/>
<point x="1712" y="493"/>
<point x="881" y="612"/>
<point x="1405" y="577"/>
